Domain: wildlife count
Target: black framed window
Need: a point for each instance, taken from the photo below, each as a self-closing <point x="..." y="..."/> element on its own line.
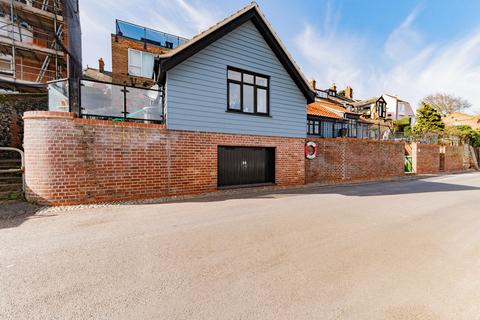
<point x="248" y="92"/>
<point x="382" y="110"/>
<point x="322" y="128"/>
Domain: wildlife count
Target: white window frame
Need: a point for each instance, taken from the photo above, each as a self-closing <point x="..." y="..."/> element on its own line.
<point x="142" y="53"/>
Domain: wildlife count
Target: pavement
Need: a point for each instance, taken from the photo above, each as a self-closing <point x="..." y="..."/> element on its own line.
<point x="392" y="250"/>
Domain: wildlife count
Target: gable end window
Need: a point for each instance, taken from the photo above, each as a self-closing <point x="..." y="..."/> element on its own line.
<point x="248" y="92"/>
<point x="381" y="109"/>
<point x="140" y="63"/>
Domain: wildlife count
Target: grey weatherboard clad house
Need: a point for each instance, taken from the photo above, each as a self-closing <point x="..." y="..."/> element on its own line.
<point x="195" y="79"/>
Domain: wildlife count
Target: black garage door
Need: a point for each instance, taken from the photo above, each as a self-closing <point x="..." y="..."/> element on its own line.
<point x="245" y="166"/>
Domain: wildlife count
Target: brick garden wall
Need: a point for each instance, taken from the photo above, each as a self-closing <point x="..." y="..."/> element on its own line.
<point x="426" y="158"/>
<point x="355" y="160"/>
<point x="72" y="161"/>
<point x="454" y="158"/>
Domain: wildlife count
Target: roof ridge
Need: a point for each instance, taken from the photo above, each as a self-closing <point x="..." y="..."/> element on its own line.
<point x="249" y="12"/>
<point x="199" y="35"/>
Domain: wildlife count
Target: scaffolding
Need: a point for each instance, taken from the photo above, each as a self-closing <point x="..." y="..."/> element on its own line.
<point x="32" y="33"/>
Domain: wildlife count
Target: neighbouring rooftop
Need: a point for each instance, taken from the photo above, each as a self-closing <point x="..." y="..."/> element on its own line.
<point x="147" y="35"/>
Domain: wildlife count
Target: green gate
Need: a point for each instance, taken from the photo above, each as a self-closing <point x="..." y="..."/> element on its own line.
<point x="408" y="164"/>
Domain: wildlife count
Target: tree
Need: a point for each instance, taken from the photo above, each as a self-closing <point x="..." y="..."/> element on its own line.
<point x="429" y="120"/>
<point x="466" y="134"/>
<point x="446" y="103"/>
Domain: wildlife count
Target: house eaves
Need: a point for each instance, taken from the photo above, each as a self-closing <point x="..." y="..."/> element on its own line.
<point x="251" y="12"/>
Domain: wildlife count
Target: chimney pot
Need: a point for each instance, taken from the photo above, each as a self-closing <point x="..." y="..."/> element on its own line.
<point x="313" y="84"/>
<point x="349" y="92"/>
<point x="101" y="65"/>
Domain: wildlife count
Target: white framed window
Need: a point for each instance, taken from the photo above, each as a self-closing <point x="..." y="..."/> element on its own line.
<point x="140" y="63"/>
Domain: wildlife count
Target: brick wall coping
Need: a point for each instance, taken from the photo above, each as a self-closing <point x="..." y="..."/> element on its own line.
<point x="48" y="115"/>
<point x="355" y="140"/>
<point x="120" y="123"/>
<point x="73" y="116"/>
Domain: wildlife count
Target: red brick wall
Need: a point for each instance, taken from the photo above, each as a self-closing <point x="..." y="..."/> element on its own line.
<point x="426" y="158"/>
<point x="453" y="158"/>
<point x="72" y="161"/>
<point x="120" y="47"/>
<point x="355" y="160"/>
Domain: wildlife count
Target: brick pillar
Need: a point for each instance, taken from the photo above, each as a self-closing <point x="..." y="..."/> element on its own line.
<point x="54" y="166"/>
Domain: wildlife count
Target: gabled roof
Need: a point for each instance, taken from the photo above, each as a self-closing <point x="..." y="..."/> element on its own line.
<point x="463" y="116"/>
<point x="367" y="102"/>
<point x="251" y="12"/>
<point x="95" y="74"/>
<point x="396" y="98"/>
<point x="341" y="108"/>
<point x="319" y="109"/>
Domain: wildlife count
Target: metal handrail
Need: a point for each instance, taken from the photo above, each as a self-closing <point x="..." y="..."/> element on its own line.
<point x="22" y="169"/>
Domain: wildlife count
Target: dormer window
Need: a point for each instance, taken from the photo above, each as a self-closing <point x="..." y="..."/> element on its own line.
<point x="332" y="93"/>
<point x="381" y="108"/>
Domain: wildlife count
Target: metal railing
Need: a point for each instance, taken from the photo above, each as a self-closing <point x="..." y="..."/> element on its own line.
<point x="52" y="6"/>
<point x="427" y="138"/>
<point x="21" y="169"/>
<point x="323" y="128"/>
<point x="104" y="100"/>
<point x="147" y="36"/>
<point x="27" y="73"/>
<point x="27" y="34"/>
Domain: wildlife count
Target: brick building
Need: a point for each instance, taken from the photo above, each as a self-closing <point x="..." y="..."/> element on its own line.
<point x="134" y="49"/>
<point x="458" y="119"/>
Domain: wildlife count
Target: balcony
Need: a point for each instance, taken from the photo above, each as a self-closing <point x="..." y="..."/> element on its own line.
<point x="148" y="36"/>
<point x="103" y="100"/>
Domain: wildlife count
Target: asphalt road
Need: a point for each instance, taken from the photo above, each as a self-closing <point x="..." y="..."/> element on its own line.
<point x="395" y="250"/>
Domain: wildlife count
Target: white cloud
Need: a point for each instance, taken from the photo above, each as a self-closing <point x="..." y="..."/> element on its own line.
<point x="405" y="64"/>
<point x="405" y="39"/>
<point x="201" y="17"/>
<point x="330" y="56"/>
<point x="409" y="65"/>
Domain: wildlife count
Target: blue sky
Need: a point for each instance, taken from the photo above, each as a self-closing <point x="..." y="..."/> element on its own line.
<point x="407" y="48"/>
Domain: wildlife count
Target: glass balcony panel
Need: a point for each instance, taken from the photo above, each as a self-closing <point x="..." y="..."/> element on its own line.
<point x="144" y="104"/>
<point x="102" y="99"/>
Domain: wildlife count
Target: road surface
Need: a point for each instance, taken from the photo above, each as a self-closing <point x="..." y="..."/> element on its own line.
<point x="394" y="250"/>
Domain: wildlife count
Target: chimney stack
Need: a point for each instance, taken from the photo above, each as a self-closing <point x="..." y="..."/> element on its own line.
<point x="313" y="84"/>
<point x="349" y="92"/>
<point x="333" y="88"/>
<point x="101" y="65"/>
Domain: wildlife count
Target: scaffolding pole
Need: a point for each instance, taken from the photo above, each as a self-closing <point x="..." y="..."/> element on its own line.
<point x="12" y="34"/>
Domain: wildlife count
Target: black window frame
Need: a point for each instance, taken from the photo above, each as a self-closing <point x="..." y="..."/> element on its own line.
<point x="381" y="109"/>
<point x="255" y="86"/>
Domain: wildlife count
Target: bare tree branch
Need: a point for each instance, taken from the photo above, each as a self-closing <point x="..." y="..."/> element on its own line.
<point x="446" y="103"/>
